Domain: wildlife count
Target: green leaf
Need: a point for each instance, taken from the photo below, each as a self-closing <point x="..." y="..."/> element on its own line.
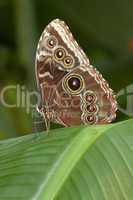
<point x="80" y="163"/>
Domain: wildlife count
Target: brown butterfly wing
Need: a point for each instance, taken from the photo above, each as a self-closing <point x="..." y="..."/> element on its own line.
<point x="60" y="62"/>
<point x="50" y="71"/>
<point x="95" y="103"/>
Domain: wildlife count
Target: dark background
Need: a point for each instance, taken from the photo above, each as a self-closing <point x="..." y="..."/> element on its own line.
<point x="103" y="28"/>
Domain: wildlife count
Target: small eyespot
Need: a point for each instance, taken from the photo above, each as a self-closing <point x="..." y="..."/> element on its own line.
<point x="59" y="54"/>
<point x="73" y="84"/>
<point x="89" y="119"/>
<point x="91" y="108"/>
<point x="90" y="97"/>
<point x="68" y="61"/>
<point x="51" y="42"/>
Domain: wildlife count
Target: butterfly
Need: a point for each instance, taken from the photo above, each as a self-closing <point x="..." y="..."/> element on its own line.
<point x="72" y="91"/>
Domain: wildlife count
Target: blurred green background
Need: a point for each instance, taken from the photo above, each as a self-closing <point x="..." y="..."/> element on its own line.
<point x="103" y="28"/>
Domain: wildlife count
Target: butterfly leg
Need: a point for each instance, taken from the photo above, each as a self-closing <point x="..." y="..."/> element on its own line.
<point x="46" y="116"/>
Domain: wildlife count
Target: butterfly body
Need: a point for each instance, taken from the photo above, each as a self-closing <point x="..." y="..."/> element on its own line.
<point x="73" y="92"/>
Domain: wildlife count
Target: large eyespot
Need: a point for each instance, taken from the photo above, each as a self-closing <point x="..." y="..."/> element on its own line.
<point x="89" y="119"/>
<point x="59" y="54"/>
<point x="51" y="42"/>
<point x="68" y="62"/>
<point x="73" y="84"/>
